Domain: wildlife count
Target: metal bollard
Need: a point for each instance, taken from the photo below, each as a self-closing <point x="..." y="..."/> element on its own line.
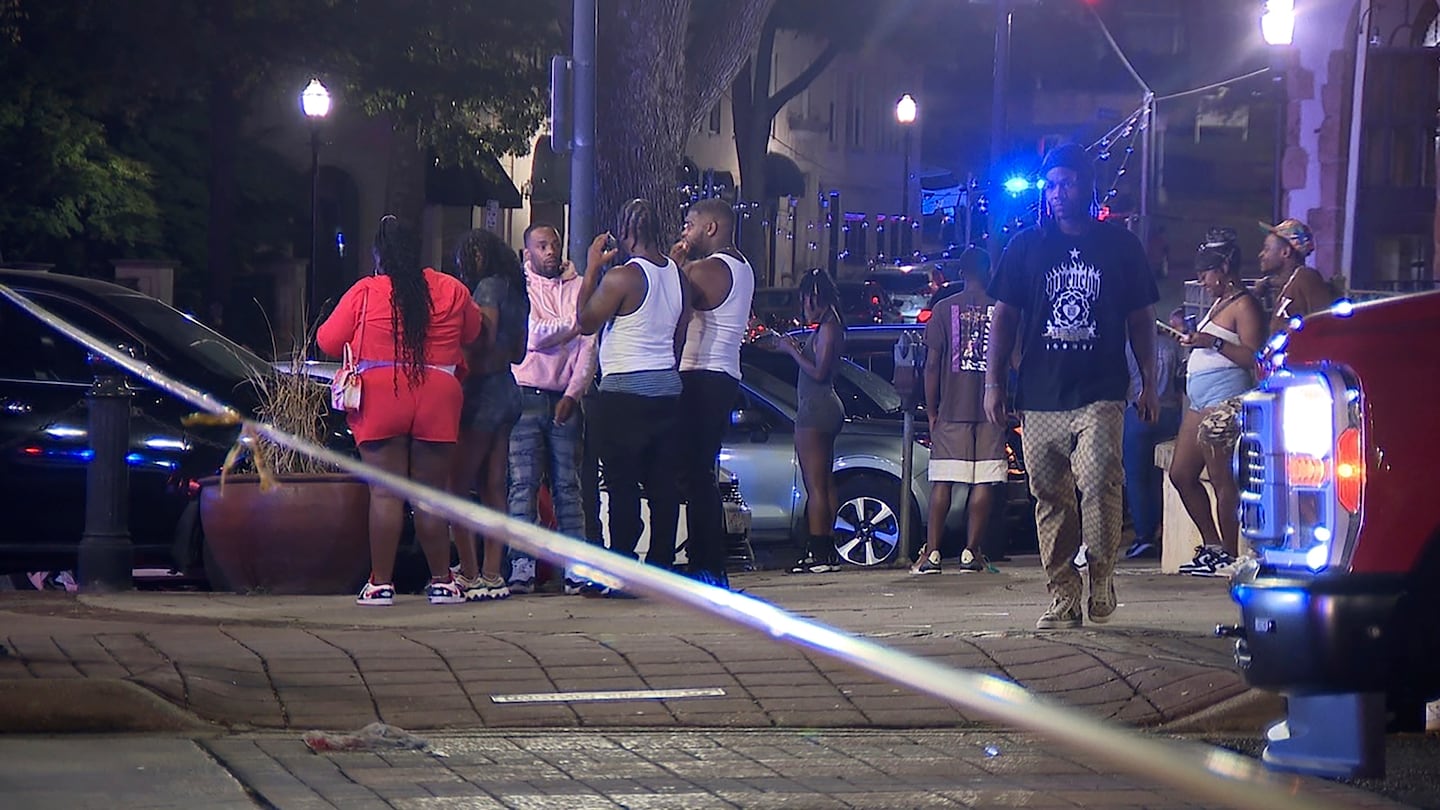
<point x="107" y="557"/>
<point x="909" y="383"/>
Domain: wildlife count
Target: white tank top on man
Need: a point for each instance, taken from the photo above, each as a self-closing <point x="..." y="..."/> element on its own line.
<point x="712" y="342"/>
<point x="644" y="340"/>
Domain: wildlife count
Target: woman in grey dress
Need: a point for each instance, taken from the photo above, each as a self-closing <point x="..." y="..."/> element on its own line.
<point x="819" y="416"/>
<point x="492" y="400"/>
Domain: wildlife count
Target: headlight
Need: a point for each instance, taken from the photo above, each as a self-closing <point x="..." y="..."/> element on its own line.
<point x="1307" y="420"/>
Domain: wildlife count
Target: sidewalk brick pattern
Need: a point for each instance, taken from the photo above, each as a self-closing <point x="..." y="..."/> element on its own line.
<point x="272" y="677"/>
<point x="705" y="769"/>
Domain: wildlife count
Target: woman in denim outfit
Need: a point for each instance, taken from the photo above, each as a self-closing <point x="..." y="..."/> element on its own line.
<point x="1220" y="367"/>
<point x="492" y="399"/>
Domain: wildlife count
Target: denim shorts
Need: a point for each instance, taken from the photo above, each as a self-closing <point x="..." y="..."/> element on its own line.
<point x="1210" y="388"/>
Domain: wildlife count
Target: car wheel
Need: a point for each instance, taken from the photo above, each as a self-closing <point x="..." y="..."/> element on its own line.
<point x="867" y="524"/>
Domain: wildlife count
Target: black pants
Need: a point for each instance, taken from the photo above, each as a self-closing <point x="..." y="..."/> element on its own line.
<point x="705" y="405"/>
<point x="589" y="466"/>
<point x="632" y="435"/>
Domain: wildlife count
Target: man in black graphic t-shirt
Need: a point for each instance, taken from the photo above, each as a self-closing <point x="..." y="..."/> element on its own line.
<point x="1084" y="289"/>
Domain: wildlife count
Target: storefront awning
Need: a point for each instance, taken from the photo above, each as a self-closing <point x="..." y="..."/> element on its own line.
<point x="471" y="185"/>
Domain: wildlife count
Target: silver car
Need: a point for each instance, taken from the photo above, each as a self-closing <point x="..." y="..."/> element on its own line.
<point x="760" y="448"/>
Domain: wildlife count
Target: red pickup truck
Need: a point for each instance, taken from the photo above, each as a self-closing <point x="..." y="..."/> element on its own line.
<point x="1339" y="471"/>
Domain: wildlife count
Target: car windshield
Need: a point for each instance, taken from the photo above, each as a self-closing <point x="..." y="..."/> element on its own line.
<point x="864" y="395"/>
<point x="913" y="283"/>
<point x="212" y="350"/>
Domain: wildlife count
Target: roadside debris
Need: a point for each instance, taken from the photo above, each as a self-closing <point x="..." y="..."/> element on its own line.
<point x="374" y="737"/>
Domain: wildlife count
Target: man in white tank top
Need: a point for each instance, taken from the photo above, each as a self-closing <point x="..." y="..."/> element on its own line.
<point x="722" y="286"/>
<point x="642" y="307"/>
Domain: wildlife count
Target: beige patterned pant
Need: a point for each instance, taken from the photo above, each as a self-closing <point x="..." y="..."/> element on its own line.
<point x="1066" y="451"/>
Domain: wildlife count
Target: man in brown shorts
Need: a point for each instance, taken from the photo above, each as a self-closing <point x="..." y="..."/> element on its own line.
<point x="964" y="447"/>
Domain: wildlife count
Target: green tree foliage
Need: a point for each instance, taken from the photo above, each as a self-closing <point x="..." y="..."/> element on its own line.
<point x="464" y="77"/>
<point x="145" y="150"/>
<point x="65" y="192"/>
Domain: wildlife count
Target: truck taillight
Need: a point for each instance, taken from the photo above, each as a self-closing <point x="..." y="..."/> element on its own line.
<point x="1349" y="470"/>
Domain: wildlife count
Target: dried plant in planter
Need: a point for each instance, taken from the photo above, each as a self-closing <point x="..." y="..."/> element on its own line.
<point x="297" y="403"/>
<point x="293" y="401"/>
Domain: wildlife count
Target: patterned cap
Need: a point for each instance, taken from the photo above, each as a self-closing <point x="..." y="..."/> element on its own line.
<point x="1295" y="233"/>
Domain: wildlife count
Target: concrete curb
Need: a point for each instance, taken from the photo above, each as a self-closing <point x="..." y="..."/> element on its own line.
<point x="93" y="705"/>
<point x="1249" y="712"/>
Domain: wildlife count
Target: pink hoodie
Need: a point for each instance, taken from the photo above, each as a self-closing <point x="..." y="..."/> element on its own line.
<point x="569" y="366"/>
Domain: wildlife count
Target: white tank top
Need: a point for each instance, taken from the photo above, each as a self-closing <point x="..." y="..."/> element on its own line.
<point x="712" y="342"/>
<point x="1202" y="360"/>
<point x="644" y="340"/>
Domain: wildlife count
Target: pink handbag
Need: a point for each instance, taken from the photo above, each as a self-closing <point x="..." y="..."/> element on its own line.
<point x="345" y="386"/>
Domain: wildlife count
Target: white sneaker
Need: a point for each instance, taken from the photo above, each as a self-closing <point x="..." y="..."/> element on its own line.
<point x="445" y="593"/>
<point x="1228" y="569"/>
<point x="522" y="575"/>
<point x="382" y="595"/>
<point x="485" y="590"/>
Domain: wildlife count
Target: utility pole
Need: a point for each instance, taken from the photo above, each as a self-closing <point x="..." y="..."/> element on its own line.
<point x="582" y="141"/>
<point x="998" y="103"/>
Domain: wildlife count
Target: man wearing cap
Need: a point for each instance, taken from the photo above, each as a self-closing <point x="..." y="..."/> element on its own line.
<point x="1083" y="290"/>
<point x="973" y="263"/>
<point x="1289" y="288"/>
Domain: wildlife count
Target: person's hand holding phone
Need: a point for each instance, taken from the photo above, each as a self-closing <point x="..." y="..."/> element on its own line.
<point x="680" y="252"/>
<point x="601" y="253"/>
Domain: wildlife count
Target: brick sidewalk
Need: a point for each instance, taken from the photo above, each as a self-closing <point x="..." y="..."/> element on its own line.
<point x="581" y="770"/>
<point x="259" y="662"/>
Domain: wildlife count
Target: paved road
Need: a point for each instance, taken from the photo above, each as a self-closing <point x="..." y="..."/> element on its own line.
<point x="588" y="771"/>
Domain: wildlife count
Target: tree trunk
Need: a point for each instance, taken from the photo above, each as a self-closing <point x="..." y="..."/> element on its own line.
<point x="651" y="92"/>
<point x="752" y="141"/>
<point x="643" y="117"/>
<point x="404" y="179"/>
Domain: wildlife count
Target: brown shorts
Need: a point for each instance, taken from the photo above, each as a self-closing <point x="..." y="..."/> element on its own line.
<point x="968" y="453"/>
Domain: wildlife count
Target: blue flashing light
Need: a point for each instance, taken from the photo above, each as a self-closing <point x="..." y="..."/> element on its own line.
<point x="1297" y="323"/>
<point x="1244" y="594"/>
<point x="1018" y="185"/>
<point x="1343" y="308"/>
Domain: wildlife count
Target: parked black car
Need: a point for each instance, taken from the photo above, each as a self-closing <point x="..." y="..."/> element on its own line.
<point x="44" y="377"/>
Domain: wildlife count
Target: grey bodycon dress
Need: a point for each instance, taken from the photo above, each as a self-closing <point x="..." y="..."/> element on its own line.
<point x="817" y="406"/>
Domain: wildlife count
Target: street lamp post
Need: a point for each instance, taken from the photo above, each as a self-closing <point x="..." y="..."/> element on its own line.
<point x="315" y="101"/>
<point x="905" y="114"/>
<point x="1277" y="25"/>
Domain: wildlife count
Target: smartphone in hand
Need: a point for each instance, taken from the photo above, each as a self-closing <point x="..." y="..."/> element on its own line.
<point x="1166" y="329"/>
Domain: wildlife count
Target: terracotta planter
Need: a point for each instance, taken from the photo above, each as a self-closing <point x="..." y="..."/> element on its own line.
<point x="308" y="535"/>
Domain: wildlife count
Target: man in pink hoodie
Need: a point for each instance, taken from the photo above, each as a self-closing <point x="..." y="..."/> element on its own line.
<point x="558" y="366"/>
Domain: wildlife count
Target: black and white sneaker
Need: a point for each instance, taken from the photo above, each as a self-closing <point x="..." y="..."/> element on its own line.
<point x="1209" y="562"/>
<point x="810" y="564"/>
<point x="1142" y="549"/>
<point x="971" y="562"/>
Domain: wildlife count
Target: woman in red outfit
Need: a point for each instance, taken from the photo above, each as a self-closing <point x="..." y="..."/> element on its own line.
<point x="406" y="327"/>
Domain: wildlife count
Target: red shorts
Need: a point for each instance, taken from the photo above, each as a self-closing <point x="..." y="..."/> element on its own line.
<point x="389" y="407"/>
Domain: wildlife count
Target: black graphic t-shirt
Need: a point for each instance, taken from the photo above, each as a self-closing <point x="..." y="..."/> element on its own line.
<point x="1074" y="294"/>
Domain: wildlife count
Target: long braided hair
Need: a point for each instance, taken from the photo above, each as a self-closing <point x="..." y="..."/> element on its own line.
<point x="637" y="221"/>
<point x="482" y="254"/>
<point x="397" y="255"/>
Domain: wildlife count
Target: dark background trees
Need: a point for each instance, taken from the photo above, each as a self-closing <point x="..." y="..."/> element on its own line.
<point x="123" y="125"/>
